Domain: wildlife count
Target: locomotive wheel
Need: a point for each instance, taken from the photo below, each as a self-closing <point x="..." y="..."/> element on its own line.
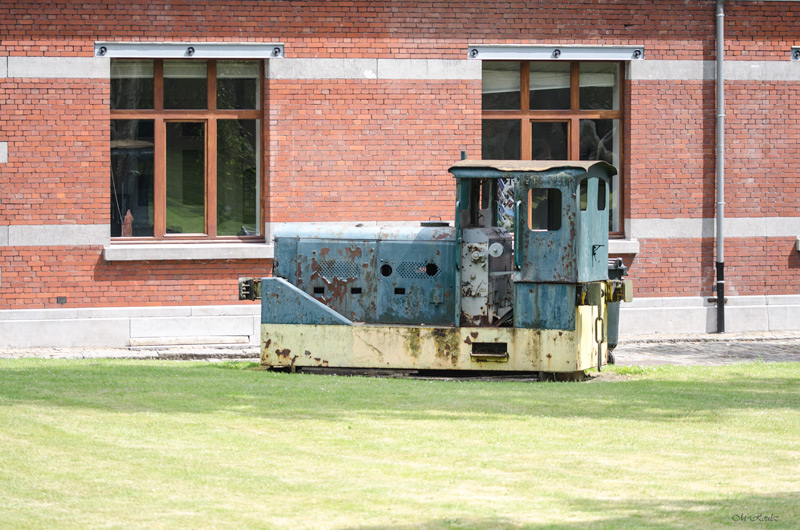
<point x="563" y="377"/>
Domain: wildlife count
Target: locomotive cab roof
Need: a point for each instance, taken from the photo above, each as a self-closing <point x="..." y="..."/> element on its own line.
<point x="501" y="168"/>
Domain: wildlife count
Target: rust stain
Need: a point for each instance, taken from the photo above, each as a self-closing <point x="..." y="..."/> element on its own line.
<point x="283" y="353"/>
<point x="446" y="342"/>
<point x="337" y="287"/>
<point x="267" y="343"/>
<point x="323" y="252"/>
<point x="439" y="235"/>
<point x="474" y="334"/>
<point x="307" y="353"/>
<point x="353" y="252"/>
<point x="412" y="342"/>
<point x="467" y="341"/>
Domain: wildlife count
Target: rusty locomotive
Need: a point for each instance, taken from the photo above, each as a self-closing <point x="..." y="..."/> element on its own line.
<point x="520" y="282"/>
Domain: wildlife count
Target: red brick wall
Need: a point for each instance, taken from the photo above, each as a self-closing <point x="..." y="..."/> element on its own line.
<point x="762" y="137"/>
<point x="58" y="162"/>
<point x="371" y="149"/>
<point x="33" y="277"/>
<point x="685" y="267"/>
<point x="368" y="149"/>
<point x="671" y="149"/>
<point x="669" y="29"/>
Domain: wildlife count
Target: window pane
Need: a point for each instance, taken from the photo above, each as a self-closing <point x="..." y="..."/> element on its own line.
<point x="600" y="141"/>
<point x="131" y="84"/>
<point x="186" y="178"/>
<point x="549" y="86"/>
<point x="501" y="85"/>
<point x="237" y="84"/>
<point x="549" y="140"/>
<point x="584" y="195"/>
<point x="237" y="178"/>
<point x="501" y="140"/>
<point x="544" y="209"/>
<point x="131" y="178"/>
<point x="599" y="84"/>
<point x="185" y="85"/>
<point x="601" y="195"/>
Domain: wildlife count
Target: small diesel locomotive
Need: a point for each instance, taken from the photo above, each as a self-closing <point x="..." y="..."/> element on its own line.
<point x="520" y="283"/>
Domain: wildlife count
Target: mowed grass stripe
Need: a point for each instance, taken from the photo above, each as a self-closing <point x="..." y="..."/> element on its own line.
<point x="89" y="444"/>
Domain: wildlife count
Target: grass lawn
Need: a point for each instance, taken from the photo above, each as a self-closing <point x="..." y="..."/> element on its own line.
<point x="121" y="444"/>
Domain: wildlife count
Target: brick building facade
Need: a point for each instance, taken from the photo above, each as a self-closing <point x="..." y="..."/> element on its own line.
<point x="359" y="109"/>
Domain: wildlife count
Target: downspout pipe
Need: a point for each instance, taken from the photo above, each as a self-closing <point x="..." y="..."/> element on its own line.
<point x="720" y="233"/>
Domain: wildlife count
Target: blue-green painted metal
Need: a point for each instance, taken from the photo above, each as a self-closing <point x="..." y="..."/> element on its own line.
<point x="414" y="275"/>
<point x="374" y="274"/>
<point x="544" y="305"/>
<point x="592" y="229"/>
<point x="557" y="245"/>
<point x="283" y="303"/>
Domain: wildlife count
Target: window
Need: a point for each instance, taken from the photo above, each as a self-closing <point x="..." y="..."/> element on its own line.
<point x="185" y="148"/>
<point x="544" y="209"/>
<point x="555" y="110"/>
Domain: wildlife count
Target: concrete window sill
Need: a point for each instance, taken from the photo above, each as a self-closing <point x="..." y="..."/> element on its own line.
<point x="187" y="251"/>
<point x="623" y="246"/>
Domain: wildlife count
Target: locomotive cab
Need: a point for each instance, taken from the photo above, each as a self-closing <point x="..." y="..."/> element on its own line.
<point x="520" y="283"/>
<point x="551" y="218"/>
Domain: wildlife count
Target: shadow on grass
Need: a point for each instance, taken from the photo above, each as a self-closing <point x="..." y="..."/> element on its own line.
<point x="746" y="511"/>
<point x="130" y="386"/>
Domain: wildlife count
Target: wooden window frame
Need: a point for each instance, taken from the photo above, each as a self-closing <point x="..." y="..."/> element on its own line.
<point x="573" y="116"/>
<point x="209" y="117"/>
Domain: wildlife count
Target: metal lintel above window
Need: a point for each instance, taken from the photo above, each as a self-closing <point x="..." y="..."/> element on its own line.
<point x="185" y="50"/>
<point x="795" y="53"/>
<point x="490" y="52"/>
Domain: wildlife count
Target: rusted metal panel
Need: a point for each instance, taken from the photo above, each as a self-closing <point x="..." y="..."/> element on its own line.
<point x="547" y="250"/>
<point x="544" y="305"/>
<point x="430" y="348"/>
<point x="340" y="274"/>
<point x="416" y="283"/>
<point x="591" y="240"/>
<point x="395" y="274"/>
<point x="486" y="293"/>
<point x="283" y="303"/>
